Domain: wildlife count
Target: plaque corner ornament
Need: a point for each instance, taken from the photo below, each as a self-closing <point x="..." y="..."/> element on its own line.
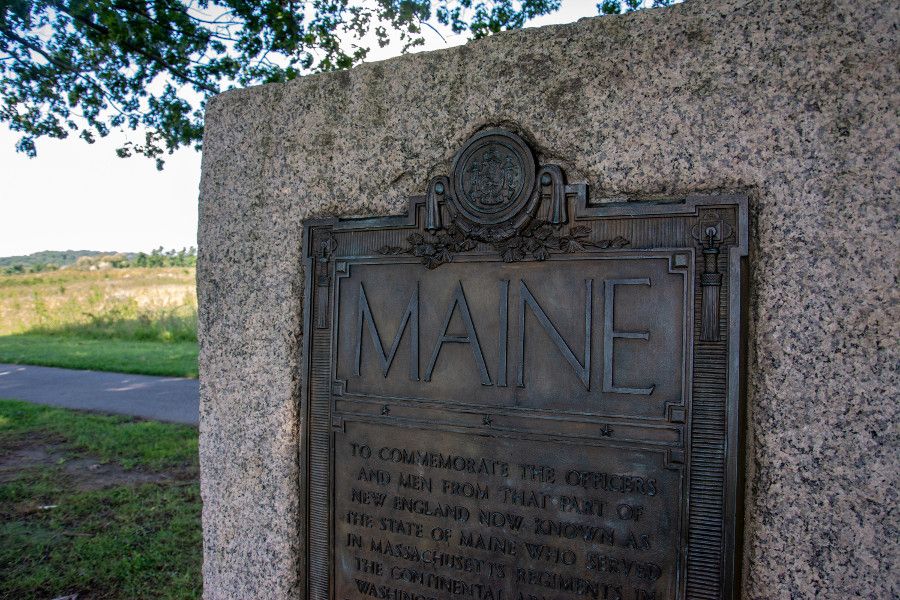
<point x="711" y="232"/>
<point x="493" y="194"/>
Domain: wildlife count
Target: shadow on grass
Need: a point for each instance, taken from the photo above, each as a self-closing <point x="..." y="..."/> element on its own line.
<point x="68" y="527"/>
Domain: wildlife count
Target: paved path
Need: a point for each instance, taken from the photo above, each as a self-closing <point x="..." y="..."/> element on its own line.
<point x="170" y="399"/>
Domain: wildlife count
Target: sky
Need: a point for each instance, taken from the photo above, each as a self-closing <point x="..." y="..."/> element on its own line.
<point x="76" y="196"/>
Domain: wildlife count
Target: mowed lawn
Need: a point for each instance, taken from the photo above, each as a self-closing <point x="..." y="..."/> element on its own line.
<point x="135" y="320"/>
<point x="98" y="506"/>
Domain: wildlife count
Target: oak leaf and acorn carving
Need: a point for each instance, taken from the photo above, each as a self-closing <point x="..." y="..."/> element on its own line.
<point x="536" y="241"/>
<point x="434" y="250"/>
<point x="540" y="238"/>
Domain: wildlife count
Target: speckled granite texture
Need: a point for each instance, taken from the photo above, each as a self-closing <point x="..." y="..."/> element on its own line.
<point x="795" y="102"/>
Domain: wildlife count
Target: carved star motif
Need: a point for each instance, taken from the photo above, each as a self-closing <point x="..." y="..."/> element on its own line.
<point x="487" y="420"/>
<point x="385" y="410"/>
<point x="606" y="431"/>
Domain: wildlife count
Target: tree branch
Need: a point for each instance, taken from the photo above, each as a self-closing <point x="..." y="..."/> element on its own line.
<point x="71" y="69"/>
<point x="178" y="72"/>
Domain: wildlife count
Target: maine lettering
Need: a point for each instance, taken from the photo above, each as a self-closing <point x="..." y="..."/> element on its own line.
<point x="527" y="303"/>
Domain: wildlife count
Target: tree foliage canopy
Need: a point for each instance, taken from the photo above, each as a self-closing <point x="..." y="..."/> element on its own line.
<point x="88" y="66"/>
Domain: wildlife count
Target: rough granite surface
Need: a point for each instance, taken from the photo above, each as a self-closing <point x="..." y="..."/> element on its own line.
<point x="795" y="102"/>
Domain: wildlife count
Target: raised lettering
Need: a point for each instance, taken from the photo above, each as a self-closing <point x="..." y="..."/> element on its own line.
<point x="410" y="316"/>
<point x="526" y="298"/>
<point x="471" y="337"/>
<point x="610" y="335"/>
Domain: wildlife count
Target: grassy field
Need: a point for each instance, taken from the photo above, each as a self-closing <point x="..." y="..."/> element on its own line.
<point x="129" y="320"/>
<point x="103" y="507"/>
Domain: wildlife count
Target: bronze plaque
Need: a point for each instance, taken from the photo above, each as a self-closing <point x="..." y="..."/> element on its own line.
<point x="513" y="393"/>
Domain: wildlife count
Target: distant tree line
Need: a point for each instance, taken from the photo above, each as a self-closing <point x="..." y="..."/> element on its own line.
<point x="60" y="258"/>
<point x="35" y="268"/>
<point x="89" y="260"/>
<point x="186" y="257"/>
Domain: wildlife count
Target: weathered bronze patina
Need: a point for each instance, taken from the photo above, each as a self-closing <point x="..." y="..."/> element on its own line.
<point x="512" y="393"/>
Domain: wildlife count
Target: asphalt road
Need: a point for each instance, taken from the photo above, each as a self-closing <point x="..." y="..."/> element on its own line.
<point x="171" y="399"/>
